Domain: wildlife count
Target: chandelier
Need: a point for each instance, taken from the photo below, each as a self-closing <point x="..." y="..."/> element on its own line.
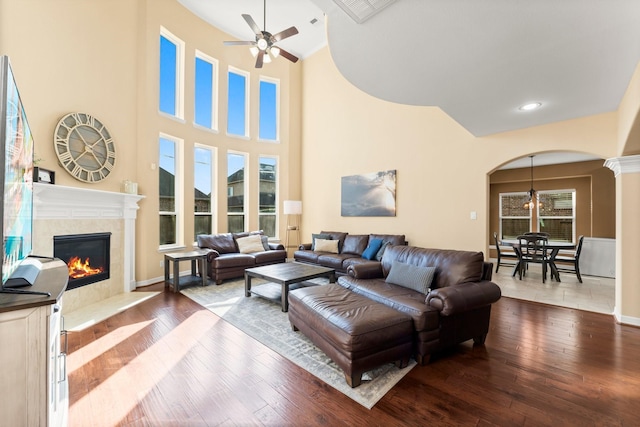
<point x="533" y="195"/>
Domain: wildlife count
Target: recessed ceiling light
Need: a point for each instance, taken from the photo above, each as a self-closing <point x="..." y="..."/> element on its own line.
<point x="530" y="106"/>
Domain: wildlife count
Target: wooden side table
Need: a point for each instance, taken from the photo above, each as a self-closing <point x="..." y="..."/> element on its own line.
<point x="175" y="258"/>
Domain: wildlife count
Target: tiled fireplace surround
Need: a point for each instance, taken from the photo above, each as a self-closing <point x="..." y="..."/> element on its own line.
<point x="60" y="210"/>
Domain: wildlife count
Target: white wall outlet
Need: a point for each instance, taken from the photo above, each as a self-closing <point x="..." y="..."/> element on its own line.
<point x="473" y="215"/>
<point x="161" y="264"/>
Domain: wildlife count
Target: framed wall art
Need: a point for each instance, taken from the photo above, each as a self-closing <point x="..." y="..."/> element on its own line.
<point x="371" y="194"/>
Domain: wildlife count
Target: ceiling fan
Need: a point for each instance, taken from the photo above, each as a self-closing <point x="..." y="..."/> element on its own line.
<point x="263" y="48"/>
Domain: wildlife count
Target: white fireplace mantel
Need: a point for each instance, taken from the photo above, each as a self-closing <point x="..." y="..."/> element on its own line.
<point x="57" y="202"/>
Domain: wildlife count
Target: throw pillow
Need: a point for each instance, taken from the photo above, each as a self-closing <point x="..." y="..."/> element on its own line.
<point x="372" y="249"/>
<point x="411" y="276"/>
<point x="265" y="243"/>
<point x="381" y="251"/>
<point x="250" y="244"/>
<point x="318" y="236"/>
<point x="325" y="245"/>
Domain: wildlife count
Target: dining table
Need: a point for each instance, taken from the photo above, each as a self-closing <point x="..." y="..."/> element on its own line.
<point x="553" y="249"/>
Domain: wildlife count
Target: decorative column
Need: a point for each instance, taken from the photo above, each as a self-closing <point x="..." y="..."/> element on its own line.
<point x="627" y="172"/>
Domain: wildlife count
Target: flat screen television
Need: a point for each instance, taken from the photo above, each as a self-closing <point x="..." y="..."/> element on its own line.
<point x="16" y="180"/>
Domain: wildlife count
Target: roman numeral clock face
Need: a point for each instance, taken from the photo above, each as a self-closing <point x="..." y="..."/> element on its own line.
<point x="84" y="147"/>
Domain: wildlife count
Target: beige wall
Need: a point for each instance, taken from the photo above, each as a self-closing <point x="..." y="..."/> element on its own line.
<point x="442" y="170"/>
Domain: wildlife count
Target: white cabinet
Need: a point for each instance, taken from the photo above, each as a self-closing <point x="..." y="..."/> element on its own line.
<point x="33" y="383"/>
<point x="33" y="378"/>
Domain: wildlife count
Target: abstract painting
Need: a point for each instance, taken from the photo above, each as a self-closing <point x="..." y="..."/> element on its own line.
<point x="372" y="194"/>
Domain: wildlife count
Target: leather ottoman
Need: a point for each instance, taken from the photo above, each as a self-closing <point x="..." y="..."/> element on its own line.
<point x="357" y="333"/>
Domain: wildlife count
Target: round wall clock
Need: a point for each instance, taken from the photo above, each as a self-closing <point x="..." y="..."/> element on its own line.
<point x="84" y="147"/>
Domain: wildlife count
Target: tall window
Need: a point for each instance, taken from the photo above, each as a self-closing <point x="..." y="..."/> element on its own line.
<point x="171" y="72"/>
<point x="206" y="91"/>
<point x="269" y="103"/>
<point x="515" y="219"/>
<point x="236" y="190"/>
<point x="268" y="192"/>
<point x="203" y="174"/>
<point x="169" y="178"/>
<point x="237" y="103"/>
<point x="557" y="214"/>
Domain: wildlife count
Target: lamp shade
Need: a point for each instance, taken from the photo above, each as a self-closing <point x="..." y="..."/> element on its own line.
<point x="292" y="207"/>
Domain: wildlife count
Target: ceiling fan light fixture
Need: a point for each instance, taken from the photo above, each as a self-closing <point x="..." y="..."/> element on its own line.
<point x="262" y="44"/>
<point x="267" y="58"/>
<point x="275" y="51"/>
<point x="254" y="51"/>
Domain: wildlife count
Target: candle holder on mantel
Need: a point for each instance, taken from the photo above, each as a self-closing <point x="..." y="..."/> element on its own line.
<point x="293" y="210"/>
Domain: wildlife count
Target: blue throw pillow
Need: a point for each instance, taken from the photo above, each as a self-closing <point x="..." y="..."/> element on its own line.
<point x="411" y="276"/>
<point x="372" y="249"/>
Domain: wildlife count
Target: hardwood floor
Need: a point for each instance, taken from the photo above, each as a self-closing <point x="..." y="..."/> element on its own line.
<point x="170" y="362"/>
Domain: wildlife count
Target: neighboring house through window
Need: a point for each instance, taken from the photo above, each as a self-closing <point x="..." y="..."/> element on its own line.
<point x="268" y="195"/>
<point x="204" y="183"/>
<point x="169" y="180"/>
<point x="236" y="191"/>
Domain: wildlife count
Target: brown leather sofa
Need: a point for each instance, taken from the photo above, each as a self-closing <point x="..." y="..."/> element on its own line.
<point x="456" y="307"/>
<point x="226" y="261"/>
<point x="350" y="250"/>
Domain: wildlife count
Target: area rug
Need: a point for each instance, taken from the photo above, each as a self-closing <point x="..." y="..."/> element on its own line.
<point x="264" y="321"/>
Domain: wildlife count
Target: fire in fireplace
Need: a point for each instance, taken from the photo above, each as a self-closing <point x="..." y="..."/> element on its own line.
<point x="87" y="256"/>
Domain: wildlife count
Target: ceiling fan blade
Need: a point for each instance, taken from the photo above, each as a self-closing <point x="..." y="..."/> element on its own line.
<point x="287" y="55"/>
<point x="259" y="59"/>
<point x="291" y="31"/>
<point x="239" y="43"/>
<point x="252" y="24"/>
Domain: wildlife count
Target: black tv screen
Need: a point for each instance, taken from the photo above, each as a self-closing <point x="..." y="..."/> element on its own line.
<point x="16" y="175"/>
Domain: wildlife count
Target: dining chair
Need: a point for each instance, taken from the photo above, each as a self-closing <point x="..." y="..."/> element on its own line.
<point x="533" y="249"/>
<point x="571" y="264"/>
<point x="508" y="254"/>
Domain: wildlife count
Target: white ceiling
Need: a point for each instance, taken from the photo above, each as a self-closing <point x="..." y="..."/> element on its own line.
<point x="476" y="60"/>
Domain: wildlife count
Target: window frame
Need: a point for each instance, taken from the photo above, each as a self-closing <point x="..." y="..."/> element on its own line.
<point x="247" y="118"/>
<point x="501" y="217"/>
<point x="214" y="198"/>
<point x="179" y="83"/>
<point x="245" y="189"/>
<point x="540" y="217"/>
<point x="276" y="212"/>
<point x="276" y="83"/>
<point x="178" y="193"/>
<point x="199" y="55"/>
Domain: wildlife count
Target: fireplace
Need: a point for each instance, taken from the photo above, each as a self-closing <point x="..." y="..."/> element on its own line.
<point x="87" y="256"/>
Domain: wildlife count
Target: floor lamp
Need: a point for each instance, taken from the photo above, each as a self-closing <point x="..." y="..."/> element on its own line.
<point x="292" y="208"/>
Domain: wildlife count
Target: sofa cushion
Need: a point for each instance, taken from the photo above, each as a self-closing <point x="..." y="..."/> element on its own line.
<point x="273" y="256"/>
<point x="325" y="245"/>
<point x="223" y="243"/>
<point x="393" y="239"/>
<point x="310" y="257"/>
<point x="233" y="261"/>
<point x="318" y="236"/>
<point x="372" y="248"/>
<point x="411" y="276"/>
<point x="355" y="244"/>
<point x="334" y="261"/>
<point x="452" y="266"/>
<point x="250" y="244"/>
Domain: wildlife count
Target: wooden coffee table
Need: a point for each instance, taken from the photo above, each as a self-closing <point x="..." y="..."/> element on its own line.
<point x="284" y="277"/>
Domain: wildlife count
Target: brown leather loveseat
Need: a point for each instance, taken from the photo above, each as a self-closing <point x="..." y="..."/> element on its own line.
<point x="230" y="253"/>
